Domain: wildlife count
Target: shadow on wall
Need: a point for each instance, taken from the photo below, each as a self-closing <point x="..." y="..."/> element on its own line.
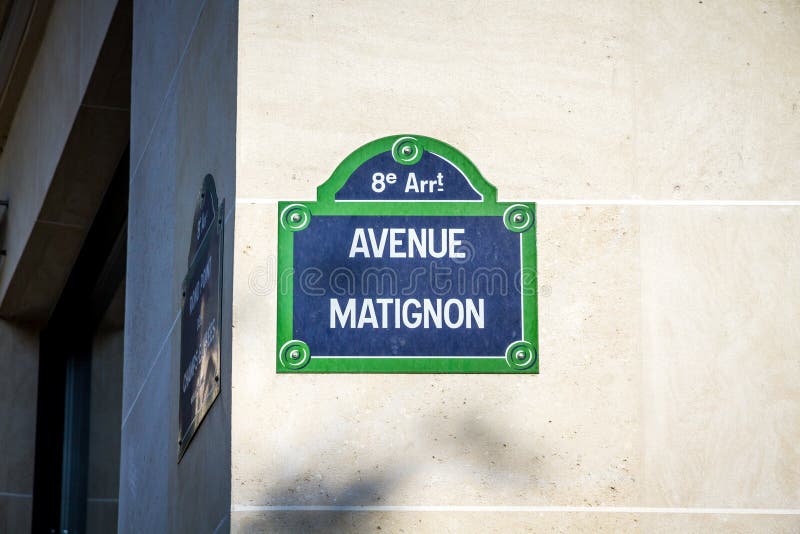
<point x="468" y="443"/>
<point x="364" y="491"/>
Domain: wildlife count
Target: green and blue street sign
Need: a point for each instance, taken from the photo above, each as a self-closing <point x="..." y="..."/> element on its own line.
<point x="406" y="263"/>
<point x="201" y="316"/>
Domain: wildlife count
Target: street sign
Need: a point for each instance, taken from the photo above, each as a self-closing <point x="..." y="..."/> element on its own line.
<point x="406" y="263"/>
<point x="200" y="317"/>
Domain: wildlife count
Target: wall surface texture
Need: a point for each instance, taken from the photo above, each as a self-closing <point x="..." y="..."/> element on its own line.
<point x="183" y="126"/>
<point x="19" y="357"/>
<point x="44" y="238"/>
<point x="662" y="142"/>
<point x="105" y="415"/>
<point x="54" y="94"/>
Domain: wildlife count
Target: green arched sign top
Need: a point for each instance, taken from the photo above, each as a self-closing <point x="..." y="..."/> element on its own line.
<point x="406" y="168"/>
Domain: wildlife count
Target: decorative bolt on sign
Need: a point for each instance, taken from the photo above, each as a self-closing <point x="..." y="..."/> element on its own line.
<point x="406" y="263"/>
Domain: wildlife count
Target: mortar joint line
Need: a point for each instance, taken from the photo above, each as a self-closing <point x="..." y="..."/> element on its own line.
<point x="240" y="508"/>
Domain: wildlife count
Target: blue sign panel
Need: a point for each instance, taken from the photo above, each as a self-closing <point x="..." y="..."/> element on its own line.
<point x="201" y="312"/>
<point x="407" y="286"/>
<point x="406" y="263"/>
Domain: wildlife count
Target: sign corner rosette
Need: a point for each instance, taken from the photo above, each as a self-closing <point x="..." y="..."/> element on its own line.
<point x="407" y="263"/>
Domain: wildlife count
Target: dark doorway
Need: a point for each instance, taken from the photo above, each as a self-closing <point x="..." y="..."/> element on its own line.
<point x="77" y="440"/>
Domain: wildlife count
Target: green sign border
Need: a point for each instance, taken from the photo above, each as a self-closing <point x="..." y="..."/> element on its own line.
<point x="294" y="356"/>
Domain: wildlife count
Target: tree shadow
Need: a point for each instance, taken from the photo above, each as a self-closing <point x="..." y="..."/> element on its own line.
<point x="467" y="441"/>
<point x="361" y="491"/>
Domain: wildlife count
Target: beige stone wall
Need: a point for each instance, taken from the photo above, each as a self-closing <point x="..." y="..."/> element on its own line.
<point x="105" y="417"/>
<point x="43" y="119"/>
<point x="183" y="126"/>
<point x="660" y="140"/>
<point x="56" y="87"/>
<point x="19" y="358"/>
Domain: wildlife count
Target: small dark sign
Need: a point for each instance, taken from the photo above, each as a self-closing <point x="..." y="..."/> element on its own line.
<point x="200" y="317"/>
<point x="407" y="263"/>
